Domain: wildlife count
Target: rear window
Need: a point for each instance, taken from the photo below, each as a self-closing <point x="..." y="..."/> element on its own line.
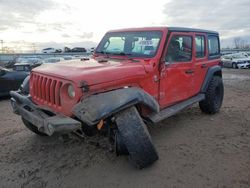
<point x="213" y="46"/>
<point x="19" y="68"/>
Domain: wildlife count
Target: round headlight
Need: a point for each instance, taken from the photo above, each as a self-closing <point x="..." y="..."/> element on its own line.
<point x="71" y="91"/>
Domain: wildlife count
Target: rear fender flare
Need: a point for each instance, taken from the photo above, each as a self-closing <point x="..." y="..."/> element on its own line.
<point x="100" y="106"/>
<point x="212" y="71"/>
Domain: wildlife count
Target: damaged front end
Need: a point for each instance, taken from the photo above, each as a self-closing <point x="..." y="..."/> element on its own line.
<point x="44" y="120"/>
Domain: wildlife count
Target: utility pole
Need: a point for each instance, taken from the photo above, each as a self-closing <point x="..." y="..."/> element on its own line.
<point x="1" y="45"/>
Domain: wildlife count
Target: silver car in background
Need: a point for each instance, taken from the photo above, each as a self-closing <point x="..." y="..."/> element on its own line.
<point x="237" y="61"/>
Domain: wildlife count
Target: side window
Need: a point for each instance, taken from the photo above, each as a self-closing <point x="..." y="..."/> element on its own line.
<point x="179" y="49"/>
<point x="213" y="45"/>
<point x="200" y="46"/>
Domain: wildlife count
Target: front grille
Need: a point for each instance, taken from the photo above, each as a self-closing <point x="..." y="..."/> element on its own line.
<point x="46" y="90"/>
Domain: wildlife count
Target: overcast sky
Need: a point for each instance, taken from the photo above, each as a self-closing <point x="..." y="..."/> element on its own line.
<point x="76" y="22"/>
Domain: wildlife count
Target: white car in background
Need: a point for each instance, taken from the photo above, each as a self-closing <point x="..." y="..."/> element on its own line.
<point x="237" y="61"/>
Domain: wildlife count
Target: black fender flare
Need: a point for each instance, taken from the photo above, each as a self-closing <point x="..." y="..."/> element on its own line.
<point x="25" y="86"/>
<point x="100" y="106"/>
<point x="215" y="70"/>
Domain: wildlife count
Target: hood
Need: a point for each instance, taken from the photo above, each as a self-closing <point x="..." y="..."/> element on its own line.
<point x="93" y="71"/>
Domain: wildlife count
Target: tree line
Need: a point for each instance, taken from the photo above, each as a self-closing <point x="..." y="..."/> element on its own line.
<point x="240" y="43"/>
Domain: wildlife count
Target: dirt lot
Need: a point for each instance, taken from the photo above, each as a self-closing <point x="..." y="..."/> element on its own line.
<point x="196" y="150"/>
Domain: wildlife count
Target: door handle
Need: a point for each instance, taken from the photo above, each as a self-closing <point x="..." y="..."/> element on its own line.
<point x="189" y="71"/>
<point x="203" y="66"/>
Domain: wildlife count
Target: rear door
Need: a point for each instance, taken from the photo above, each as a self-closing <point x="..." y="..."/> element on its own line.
<point x="201" y="61"/>
<point x="177" y="74"/>
<point x="211" y="58"/>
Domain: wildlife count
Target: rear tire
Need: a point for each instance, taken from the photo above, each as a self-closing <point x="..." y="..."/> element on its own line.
<point x="137" y="140"/>
<point x="213" y="96"/>
<point x="33" y="128"/>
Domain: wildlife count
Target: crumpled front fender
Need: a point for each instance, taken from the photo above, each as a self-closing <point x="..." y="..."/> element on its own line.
<point x="100" y="106"/>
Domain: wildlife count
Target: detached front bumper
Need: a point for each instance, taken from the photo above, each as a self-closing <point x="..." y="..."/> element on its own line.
<point x="48" y="124"/>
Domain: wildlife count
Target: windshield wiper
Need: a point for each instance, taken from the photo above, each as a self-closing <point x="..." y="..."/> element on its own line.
<point x="127" y="55"/>
<point x="121" y="54"/>
<point x="124" y="54"/>
<point x="104" y="53"/>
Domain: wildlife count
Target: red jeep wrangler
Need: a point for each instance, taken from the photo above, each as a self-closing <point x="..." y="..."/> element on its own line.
<point x="136" y="77"/>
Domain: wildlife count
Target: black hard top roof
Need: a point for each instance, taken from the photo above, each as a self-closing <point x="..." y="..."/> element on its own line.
<point x="184" y="29"/>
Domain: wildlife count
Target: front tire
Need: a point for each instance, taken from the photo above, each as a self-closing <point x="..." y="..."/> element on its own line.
<point x="213" y="96"/>
<point x="32" y="128"/>
<point x="136" y="138"/>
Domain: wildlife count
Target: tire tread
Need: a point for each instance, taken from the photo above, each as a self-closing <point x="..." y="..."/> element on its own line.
<point x="134" y="132"/>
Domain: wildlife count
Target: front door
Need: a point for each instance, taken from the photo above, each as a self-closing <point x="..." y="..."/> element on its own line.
<point x="177" y="73"/>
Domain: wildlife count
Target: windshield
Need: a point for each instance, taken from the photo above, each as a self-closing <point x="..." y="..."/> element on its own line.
<point x="134" y="44"/>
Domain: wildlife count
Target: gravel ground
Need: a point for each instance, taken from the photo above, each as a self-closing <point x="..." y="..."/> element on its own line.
<point x="195" y="149"/>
